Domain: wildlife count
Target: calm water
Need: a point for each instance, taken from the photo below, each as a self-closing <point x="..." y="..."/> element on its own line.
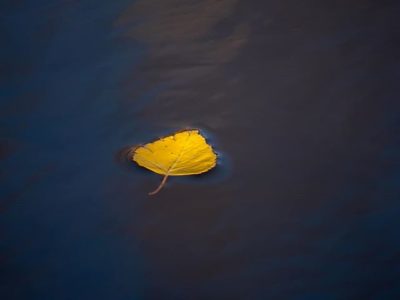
<point x="301" y="98"/>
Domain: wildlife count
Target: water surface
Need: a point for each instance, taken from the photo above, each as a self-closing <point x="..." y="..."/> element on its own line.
<point x="300" y="98"/>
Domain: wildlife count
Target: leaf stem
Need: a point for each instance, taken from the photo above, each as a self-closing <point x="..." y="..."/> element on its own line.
<point x="160" y="186"/>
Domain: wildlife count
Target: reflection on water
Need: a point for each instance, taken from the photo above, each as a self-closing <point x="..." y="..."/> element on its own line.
<point x="188" y="45"/>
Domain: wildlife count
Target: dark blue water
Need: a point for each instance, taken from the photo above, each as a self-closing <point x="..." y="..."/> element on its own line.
<point x="301" y="99"/>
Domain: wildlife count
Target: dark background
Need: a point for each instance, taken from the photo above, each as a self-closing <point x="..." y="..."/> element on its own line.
<point x="300" y="99"/>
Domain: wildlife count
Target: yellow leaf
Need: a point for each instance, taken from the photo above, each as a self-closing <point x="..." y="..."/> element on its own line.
<point x="183" y="153"/>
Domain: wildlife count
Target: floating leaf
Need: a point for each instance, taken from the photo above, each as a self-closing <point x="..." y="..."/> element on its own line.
<point x="183" y="153"/>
